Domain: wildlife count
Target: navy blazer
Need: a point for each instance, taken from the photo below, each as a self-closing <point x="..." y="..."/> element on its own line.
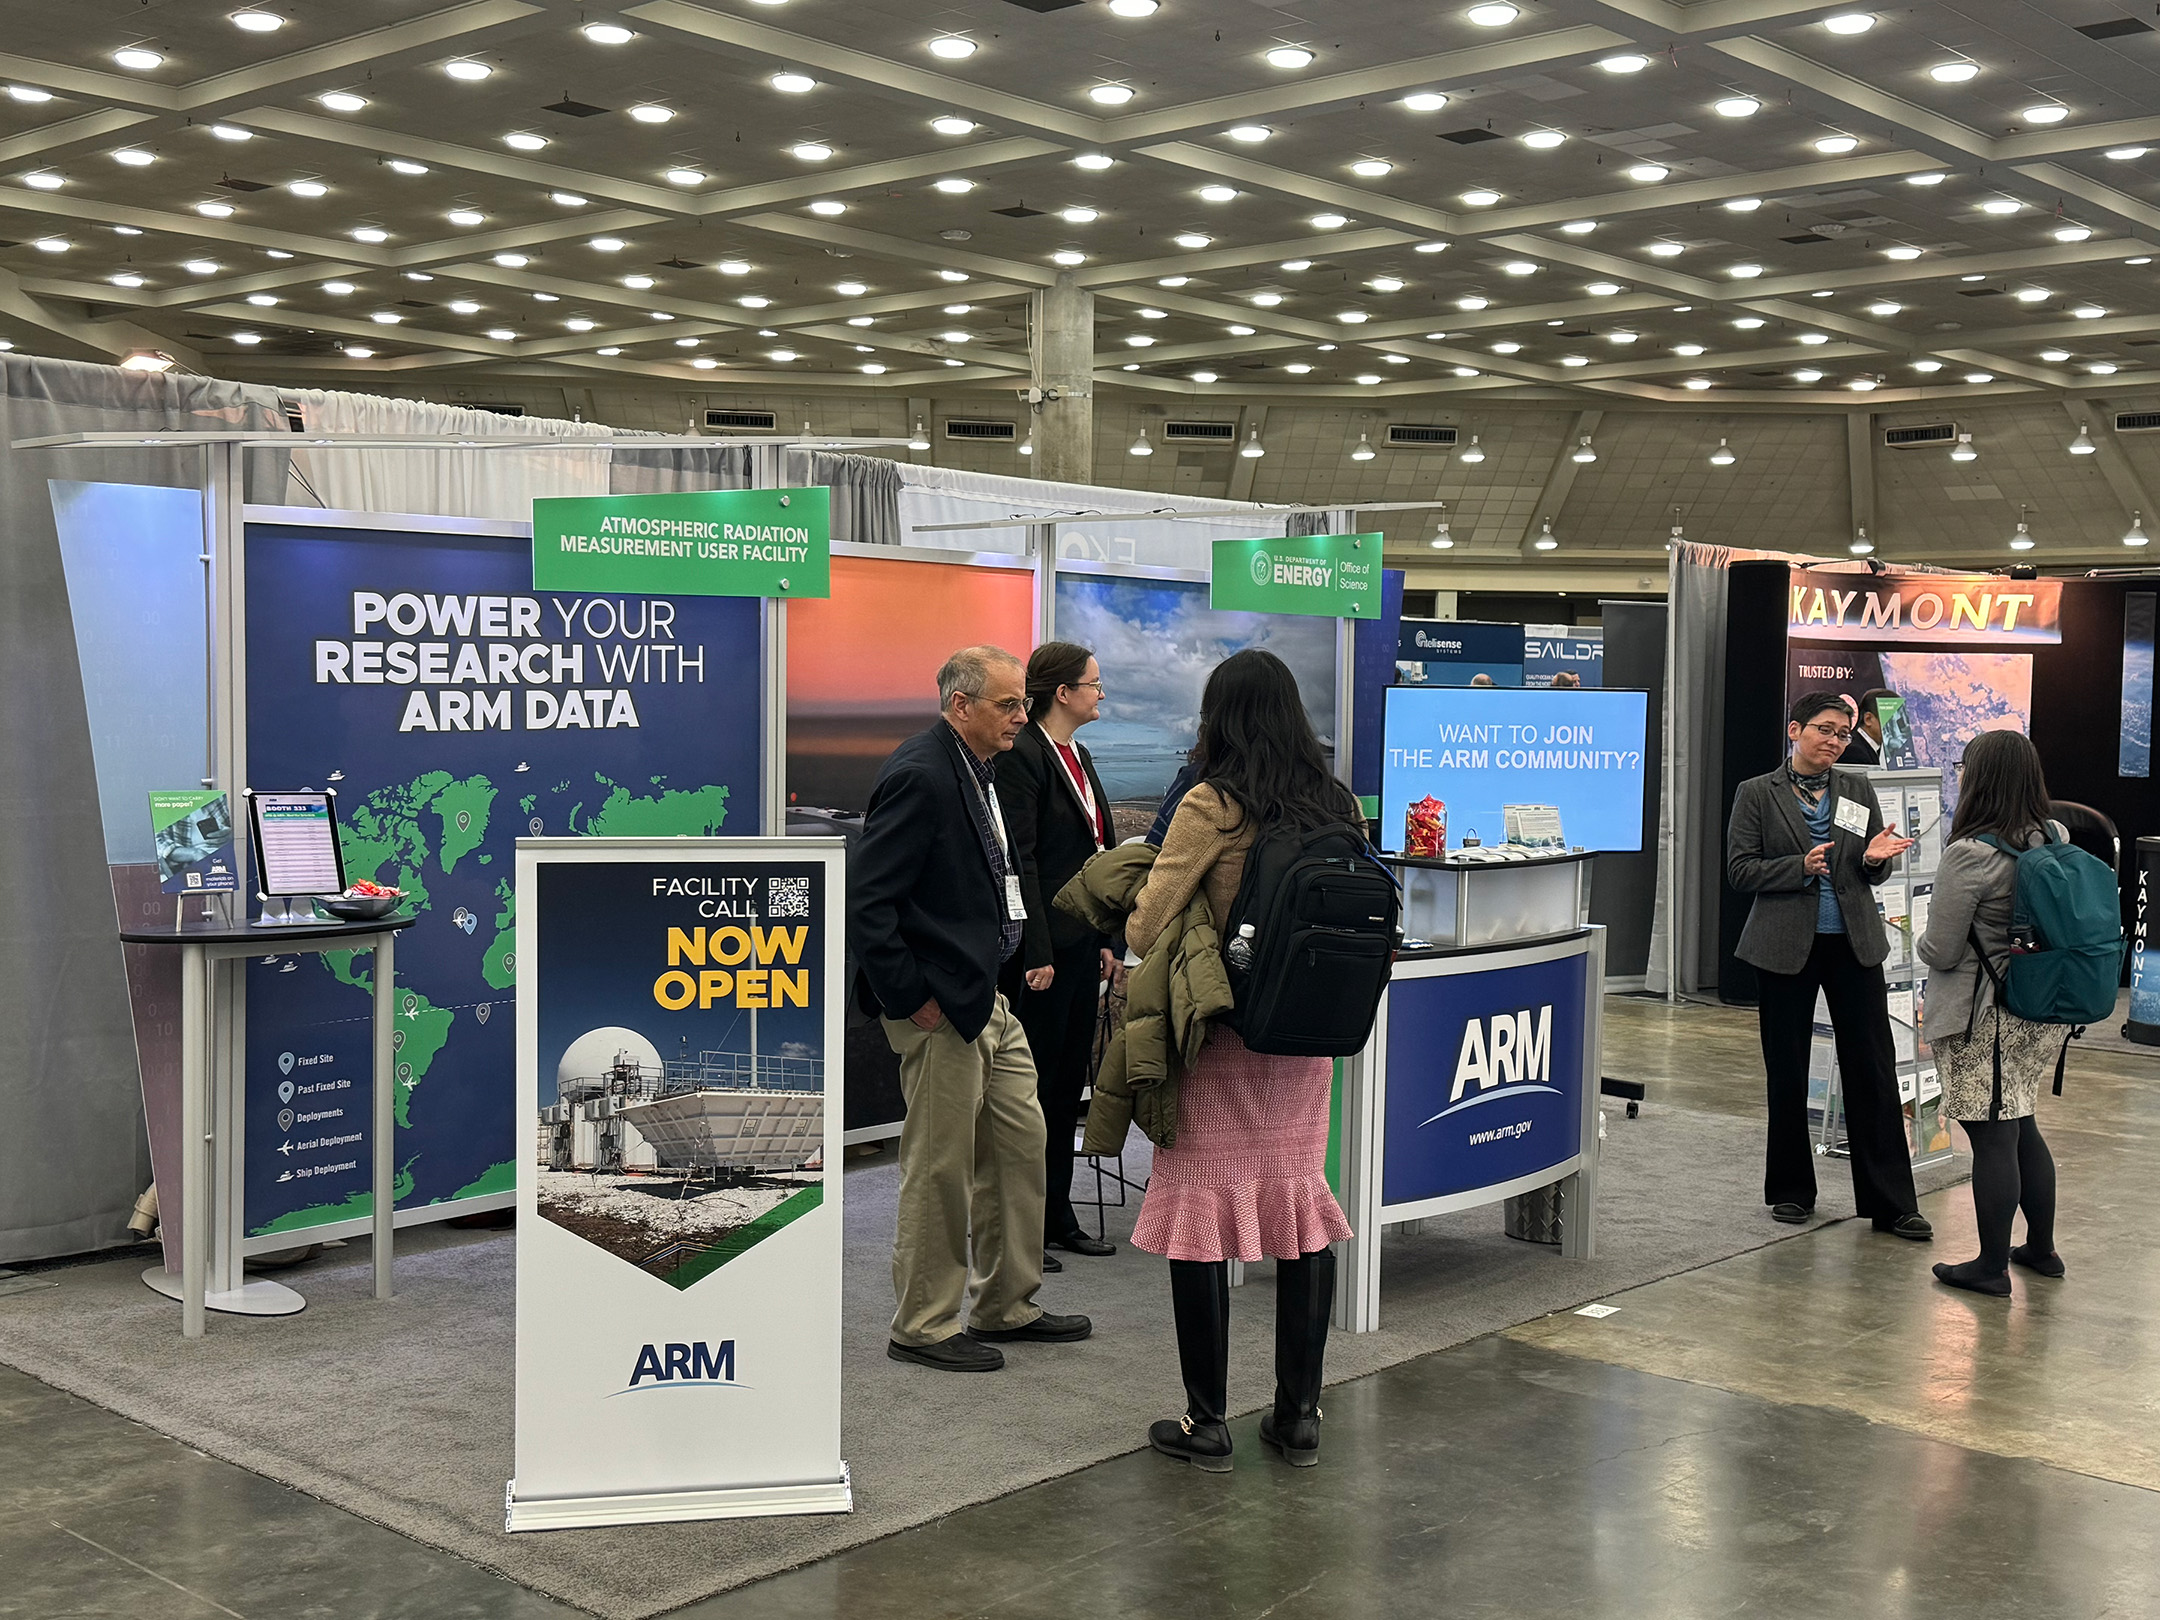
<point x="1051" y="840"/>
<point x="924" y="912"/>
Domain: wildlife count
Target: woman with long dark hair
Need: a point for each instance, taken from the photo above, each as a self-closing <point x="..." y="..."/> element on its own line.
<point x="1808" y="842"/>
<point x="1991" y="1060"/>
<point x="1058" y="816"/>
<point x="1246" y="1178"/>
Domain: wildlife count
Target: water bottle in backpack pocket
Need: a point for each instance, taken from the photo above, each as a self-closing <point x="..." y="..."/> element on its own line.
<point x="1313" y="934"/>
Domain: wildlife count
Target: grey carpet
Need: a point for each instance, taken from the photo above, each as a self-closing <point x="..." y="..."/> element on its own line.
<point x="402" y="1412"/>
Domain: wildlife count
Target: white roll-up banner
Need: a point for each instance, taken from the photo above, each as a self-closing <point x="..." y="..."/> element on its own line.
<point x="678" y="1244"/>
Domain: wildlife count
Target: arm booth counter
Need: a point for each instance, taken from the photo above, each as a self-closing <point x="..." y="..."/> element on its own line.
<point x="1480" y="1082"/>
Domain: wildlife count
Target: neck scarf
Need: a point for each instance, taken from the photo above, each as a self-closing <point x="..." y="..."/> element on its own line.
<point x="1811" y="787"/>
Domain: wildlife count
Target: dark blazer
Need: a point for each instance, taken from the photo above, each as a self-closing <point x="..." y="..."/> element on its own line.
<point x="1765" y="846"/>
<point x="1051" y="840"/>
<point x="924" y="912"/>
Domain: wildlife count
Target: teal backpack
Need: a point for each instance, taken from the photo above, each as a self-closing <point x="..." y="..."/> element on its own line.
<point x="2066" y="940"/>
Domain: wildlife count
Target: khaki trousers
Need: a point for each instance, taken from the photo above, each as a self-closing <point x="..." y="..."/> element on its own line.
<point x="971" y="1159"/>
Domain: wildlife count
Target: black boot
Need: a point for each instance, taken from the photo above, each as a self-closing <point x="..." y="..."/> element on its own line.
<point x="1304" y="1299"/>
<point x="1200" y="1301"/>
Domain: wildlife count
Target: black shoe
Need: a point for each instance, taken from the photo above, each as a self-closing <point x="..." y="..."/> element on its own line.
<point x="1205" y="1445"/>
<point x="1912" y="1228"/>
<point x="1790" y="1214"/>
<point x="956" y="1354"/>
<point x="1048" y="1327"/>
<point x="1298" y="1439"/>
<point x="1969" y="1276"/>
<point x="1051" y="1263"/>
<point x="1078" y="1242"/>
<point x="2048" y="1265"/>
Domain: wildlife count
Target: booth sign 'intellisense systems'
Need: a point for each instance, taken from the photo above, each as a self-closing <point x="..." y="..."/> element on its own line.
<point x="1329" y="576"/>
<point x="713" y="542"/>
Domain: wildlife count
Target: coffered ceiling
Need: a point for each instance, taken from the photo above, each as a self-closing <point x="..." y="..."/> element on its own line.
<point x="1747" y="202"/>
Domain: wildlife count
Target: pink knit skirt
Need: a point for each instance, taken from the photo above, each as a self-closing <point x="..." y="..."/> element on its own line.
<point x="1247" y="1178"/>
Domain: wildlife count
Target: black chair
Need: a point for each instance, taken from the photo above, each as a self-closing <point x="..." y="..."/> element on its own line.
<point x="2091" y="831"/>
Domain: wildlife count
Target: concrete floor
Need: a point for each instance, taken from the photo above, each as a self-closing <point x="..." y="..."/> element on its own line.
<point x="1814" y="1429"/>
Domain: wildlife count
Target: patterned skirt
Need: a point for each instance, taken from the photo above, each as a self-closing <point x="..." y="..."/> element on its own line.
<point x="1247" y="1178"/>
<point x="1967" y="1063"/>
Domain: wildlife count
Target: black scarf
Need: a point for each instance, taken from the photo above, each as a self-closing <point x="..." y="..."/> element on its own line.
<point x="1811" y="787"/>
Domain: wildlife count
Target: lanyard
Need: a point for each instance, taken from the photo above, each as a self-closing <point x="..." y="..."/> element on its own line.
<point x="1077" y="776"/>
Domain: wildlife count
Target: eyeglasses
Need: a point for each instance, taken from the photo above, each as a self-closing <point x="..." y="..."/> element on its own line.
<point x="1100" y="689"/>
<point x="1018" y="705"/>
<point x="1837" y="734"/>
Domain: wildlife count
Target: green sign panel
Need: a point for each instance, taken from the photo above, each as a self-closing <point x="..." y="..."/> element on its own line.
<point x="1329" y="576"/>
<point x="709" y="542"/>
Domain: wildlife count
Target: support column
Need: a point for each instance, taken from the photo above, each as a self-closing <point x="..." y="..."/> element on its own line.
<point x="1062" y="354"/>
<point x="1860" y="471"/>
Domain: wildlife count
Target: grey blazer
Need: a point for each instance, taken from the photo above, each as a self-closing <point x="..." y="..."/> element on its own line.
<point x="1974" y="889"/>
<point x="1765" y="848"/>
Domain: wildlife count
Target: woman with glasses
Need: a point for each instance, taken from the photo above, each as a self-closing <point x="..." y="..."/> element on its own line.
<point x="1059" y="816"/>
<point x="1808" y="842"/>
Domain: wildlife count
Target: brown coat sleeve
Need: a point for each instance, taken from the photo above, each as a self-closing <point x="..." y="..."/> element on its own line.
<point x="1197" y="839"/>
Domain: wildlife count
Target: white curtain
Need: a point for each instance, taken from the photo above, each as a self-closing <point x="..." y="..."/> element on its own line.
<point x="945" y="495"/>
<point x="440" y="483"/>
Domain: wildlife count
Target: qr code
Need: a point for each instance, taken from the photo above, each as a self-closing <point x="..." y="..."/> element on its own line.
<point x="787" y="897"/>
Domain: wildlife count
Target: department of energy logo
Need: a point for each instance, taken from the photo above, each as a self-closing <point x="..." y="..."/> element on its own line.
<point x="1263" y="568"/>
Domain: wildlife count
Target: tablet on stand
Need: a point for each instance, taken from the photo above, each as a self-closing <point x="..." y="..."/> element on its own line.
<point x="297" y="852"/>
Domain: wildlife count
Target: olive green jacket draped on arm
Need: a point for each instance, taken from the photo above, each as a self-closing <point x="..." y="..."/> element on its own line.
<point x="1179" y="985"/>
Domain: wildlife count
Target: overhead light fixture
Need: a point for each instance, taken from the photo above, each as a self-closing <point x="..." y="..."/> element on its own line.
<point x="1252" y="449"/>
<point x="471" y="72"/>
<point x="1934" y="177"/>
<point x="1140" y="340"/>
<point x="1425" y="101"/>
<point x="1884" y="308"/>
<point x="1295" y="265"/>
<point x="873" y="370"/>
<point x="1110" y="95"/>
<point x="1813" y="338"/>
<point x="1625" y="62"/>
<point x="1736" y="107"/>
<point x="1371" y="168"/>
<point x="1497" y="14"/>
<point x="2048" y="112"/>
<point x="1850" y="22"/>
<point x="1134" y="8"/>
<point x="1688" y="349"/>
<point x="1749" y="323"/>
<point x="1722" y="456"/>
<point x="647" y="112"/>
<point x="1954" y="72"/>
<point x="1743" y="205"/>
<point x="44" y="180"/>
<point x="2001" y="206"/>
<point x="792" y="84"/>
<point x="220" y="210"/>
<point x="1904" y="255"/>
<point x="2121" y="154"/>
<point x="201" y="267"/>
<point x="1621" y="337"/>
<point x="1330" y="222"/>
<point x="2083" y="444"/>
<point x="1249" y="134"/>
<point x="1573" y="360"/>
<point x="1218" y="194"/>
<point x="2072" y="233"/>
<point x="1744" y="272"/>
<point x="952" y="275"/>
<point x="249" y="339"/>
<point x="1289" y="57"/>
<point x="1585" y="453"/>
<point x="1861" y="545"/>
<point x="126" y="278"/>
<point x="1297" y="368"/>
<point x="2088" y="312"/>
<point x="1547" y="540"/>
<point x="1808" y="375"/>
<point x="1543" y="140"/>
<point x="1480" y="198"/>
<point x="828" y="208"/>
<point x="134" y="157"/>
<point x="464" y="306"/>
<point x="2103" y="368"/>
<point x="561" y="199"/>
<point x="1646" y="173"/>
<point x="139" y="59"/>
<point x="1364" y="450"/>
<point x="952" y="124"/>
<point x="1191" y="239"/>
<point x="1443" y="538"/>
<point x="1173" y="281"/>
<point x="1927" y="365"/>
<point x="1836" y="145"/>
<point x="1093" y="160"/>
<point x="580" y="325"/>
<point x="343" y="101"/>
<point x="259" y="300"/>
<point x="607" y="33"/>
<point x="2022" y="540"/>
<point x="2137" y="535"/>
<point x="952" y="47"/>
<point x="1603" y="289"/>
<point x="1513" y="267"/>
<point x="1140" y="445"/>
<point x="1863" y="385"/>
<point x="1963" y="450"/>
<point x="1697" y="384"/>
<point x="29" y="94"/>
<point x="524" y="141"/>
<point x="1664" y="250"/>
<point x="1471" y="301"/>
<point x="953" y="185"/>
<point x="308" y="188"/>
<point x="512" y="261"/>
<point x="1027" y="445"/>
<point x="2054" y="357"/>
<point x="1471" y="452"/>
<point x="1267" y="300"/>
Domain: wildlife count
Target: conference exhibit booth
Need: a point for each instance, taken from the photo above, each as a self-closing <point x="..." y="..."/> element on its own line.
<point x="613" y="798"/>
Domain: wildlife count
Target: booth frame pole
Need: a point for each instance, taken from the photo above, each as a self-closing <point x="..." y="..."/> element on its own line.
<point x="1043" y="541"/>
<point x="1578" y="1202"/>
<point x="224" y="495"/>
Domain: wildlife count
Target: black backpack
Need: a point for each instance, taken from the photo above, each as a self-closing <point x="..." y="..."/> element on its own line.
<point x="1326" y="918"/>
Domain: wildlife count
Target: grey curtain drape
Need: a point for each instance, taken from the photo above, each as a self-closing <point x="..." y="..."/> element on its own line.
<point x="72" y="1155"/>
<point x="865" y="493"/>
<point x="1690" y="843"/>
<point x="657" y="472"/>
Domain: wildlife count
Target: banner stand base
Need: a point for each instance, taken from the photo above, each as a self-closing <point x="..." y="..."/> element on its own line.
<point x="674" y="1507"/>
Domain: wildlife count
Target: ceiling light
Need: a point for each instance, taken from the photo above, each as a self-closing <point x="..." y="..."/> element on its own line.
<point x="28" y="93"/>
<point x="386" y="317"/>
<point x="1836" y="145"/>
<point x="871" y="320"/>
<point x="1808" y="375"/>
<point x="501" y="334"/>
<point x="1140" y="340"/>
<point x="2000" y="205"/>
<point x="1749" y="323"/>
<point x="134" y="157"/>
<point x="1480" y="199"/>
<point x="1933" y="178"/>
<point x="952" y="47"/>
<point x="1442" y="539"/>
<point x="1327" y="222"/>
<point x="1688" y="349"/>
<point x="1963" y="450"/>
<point x="464" y="306"/>
<point x="44" y="180"/>
<point x="1647" y="172"/>
<point x="1093" y="160"/>
<point x="201" y="267"/>
<point x="1813" y="338"/>
<point x="580" y="324"/>
<point x="2121" y="154"/>
<point x="2137" y="535"/>
<point x="1353" y="317"/>
<point x="219" y="210"/>
<point x="754" y="301"/>
<point x="949" y="124"/>
<point x="1507" y="348"/>
<point x="1622" y="337"/>
<point x="2022" y="540"/>
<point x="1664" y="250"/>
<point x="611" y="352"/>
<point x="686" y="343"/>
<point x="259" y="300"/>
<point x="685" y="177"/>
<point x="1364" y="450"/>
<point x="1133" y="8"/>
<point x="792" y="84"/>
<point x="651" y="113"/>
<point x="1250" y="134"/>
<point x="561" y="199"/>
<point x="1068" y="257"/>
<point x="1192" y="239"/>
<point x="1297" y="368"/>
<point x="952" y="275"/>
<point x="1389" y="284"/>
<point x="2046" y="113"/>
<point x="1626" y="62"/>
<point x="1471" y="451"/>
<point x="1267" y="300"/>
<point x="2103" y="368"/>
<point x="1371" y="168"/>
<point x="1152" y="314"/>
<point x="1495" y="15"/>
<point x="1544" y="140"/>
<point x="1953" y="72"/>
<point x="783" y="356"/>
<point x="1140" y="445"/>
<point x="1173" y="281"/>
<point x="538" y="297"/>
<point x="1862" y="385"/>
<point x="1722" y="456"/>
<point x="512" y="261"/>
<point x="1295" y="265"/>
<point x="1289" y="57"/>
<point x="2072" y="233"/>
<point x="1901" y="254"/>
<point x="1471" y="301"/>
<point x="523" y="142"/>
<point x="342" y="101"/>
<point x="138" y="59"/>
<point x="1546" y="540"/>
<point x="126" y="278"/>
<point x="1884" y="308"/>
<point x="471" y="72"/>
<point x="1927" y="365"/>
<point x="1602" y="289"/>
<point x="248" y="338"/>
<point x="828" y="207"/>
<point x="1239" y="331"/>
<point x="1850" y="22"/>
<point x="1111" y="95"/>
<point x="336" y="289"/>
<point x="2083" y="444"/>
<point x="607" y="33"/>
<point x="1977" y="377"/>
<point x="1584" y="453"/>
<point x="1459" y="371"/>
<point x="1515" y="267"/>
<point x="810" y="151"/>
<point x="1744" y="272"/>
<point x="1744" y="205"/>
<point x="953" y="185"/>
<point x="1736" y="107"/>
<point x="308" y="188"/>
<point x="356" y="351"/>
<point x="2088" y="312"/>
<point x="2055" y="357"/>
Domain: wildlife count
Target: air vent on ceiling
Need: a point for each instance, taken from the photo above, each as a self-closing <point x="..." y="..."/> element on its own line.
<point x="964" y="428"/>
<point x="742" y="421"/>
<point x="1909" y="438"/>
<point x="1201" y="432"/>
<point x="678" y="263"/>
<point x="1468" y="137"/>
<point x="574" y="109"/>
<point x="231" y="184"/>
<point x="2137" y="421"/>
<point x="1045" y="5"/>
<point x="1804" y="238"/>
<point x="1019" y="211"/>
<point x="1980" y="292"/>
<point x="1417" y="435"/>
<point x="2114" y="28"/>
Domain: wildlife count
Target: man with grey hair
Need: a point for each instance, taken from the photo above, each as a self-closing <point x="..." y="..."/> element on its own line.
<point x="934" y="909"/>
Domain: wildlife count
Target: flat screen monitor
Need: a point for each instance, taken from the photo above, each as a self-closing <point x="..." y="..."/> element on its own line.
<point x="1477" y="749"/>
<point x="296" y="843"/>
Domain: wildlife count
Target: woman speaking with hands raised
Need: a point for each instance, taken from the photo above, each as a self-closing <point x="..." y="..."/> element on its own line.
<point x="1808" y="842"/>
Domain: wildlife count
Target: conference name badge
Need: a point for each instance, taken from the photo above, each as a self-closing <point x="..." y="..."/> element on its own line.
<point x="1852" y="816"/>
<point x="1015" y="907"/>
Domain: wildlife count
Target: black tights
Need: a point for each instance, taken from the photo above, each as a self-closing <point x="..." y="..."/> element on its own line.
<point x="2012" y="1170"/>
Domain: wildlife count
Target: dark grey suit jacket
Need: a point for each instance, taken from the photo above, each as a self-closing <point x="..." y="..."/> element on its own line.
<point x="1765" y="848"/>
